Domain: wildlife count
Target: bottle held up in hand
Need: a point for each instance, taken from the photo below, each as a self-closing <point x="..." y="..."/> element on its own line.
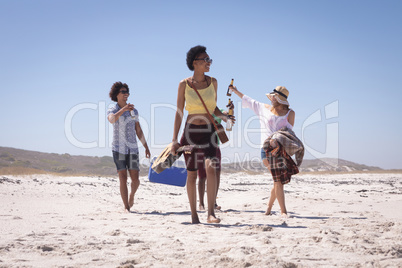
<point x="229" y="93"/>
<point x="132" y="112"/>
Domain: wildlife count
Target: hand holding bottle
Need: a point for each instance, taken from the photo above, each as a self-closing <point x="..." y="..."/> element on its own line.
<point x="230" y="120"/>
<point x="128" y="107"/>
<point x="228" y="93"/>
<point x="236" y="91"/>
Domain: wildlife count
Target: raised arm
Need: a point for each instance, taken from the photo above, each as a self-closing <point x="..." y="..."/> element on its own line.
<point x="236" y="91"/>
<point x="247" y="102"/>
<point x="114" y="117"/>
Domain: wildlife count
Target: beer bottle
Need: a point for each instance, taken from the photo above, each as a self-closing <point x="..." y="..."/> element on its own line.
<point x="229" y="122"/>
<point x="229" y="93"/>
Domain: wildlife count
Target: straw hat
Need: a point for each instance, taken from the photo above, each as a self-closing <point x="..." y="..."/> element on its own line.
<point x="280" y="94"/>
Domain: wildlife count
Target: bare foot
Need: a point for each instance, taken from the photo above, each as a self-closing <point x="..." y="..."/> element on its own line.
<point x="284" y="216"/>
<point x="217" y="207"/>
<point x="131" y="201"/>
<point x="213" y="219"/>
<point x="268" y="212"/>
<point x="195" y="220"/>
<point x="201" y="207"/>
<point x="127" y="210"/>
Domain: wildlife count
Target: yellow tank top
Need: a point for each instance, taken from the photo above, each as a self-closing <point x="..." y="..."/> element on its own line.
<point x="193" y="102"/>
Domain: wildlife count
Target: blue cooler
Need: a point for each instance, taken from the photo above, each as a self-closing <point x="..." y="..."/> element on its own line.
<point x="175" y="175"/>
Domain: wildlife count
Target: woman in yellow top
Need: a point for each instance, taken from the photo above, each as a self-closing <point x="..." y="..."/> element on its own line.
<point x="199" y="129"/>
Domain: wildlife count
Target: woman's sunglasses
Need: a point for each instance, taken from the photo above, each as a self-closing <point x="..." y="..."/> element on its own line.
<point x="207" y="60"/>
<point x="124" y="92"/>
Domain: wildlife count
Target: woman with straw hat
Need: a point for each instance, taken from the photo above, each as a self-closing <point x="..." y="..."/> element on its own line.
<point x="273" y="117"/>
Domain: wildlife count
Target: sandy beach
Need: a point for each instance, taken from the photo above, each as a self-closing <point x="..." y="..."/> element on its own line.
<point x="342" y="220"/>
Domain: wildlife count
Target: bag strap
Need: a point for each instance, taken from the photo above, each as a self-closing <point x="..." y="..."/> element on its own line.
<point x="203" y="103"/>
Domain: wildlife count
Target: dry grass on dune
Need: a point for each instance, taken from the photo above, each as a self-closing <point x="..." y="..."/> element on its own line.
<point x="18" y="171"/>
<point x="21" y="171"/>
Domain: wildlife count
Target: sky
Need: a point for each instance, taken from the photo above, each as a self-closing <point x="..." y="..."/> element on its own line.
<point x="340" y="60"/>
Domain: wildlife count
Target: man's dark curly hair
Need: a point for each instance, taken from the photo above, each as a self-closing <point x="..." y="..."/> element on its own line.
<point x="115" y="90"/>
<point x="193" y="53"/>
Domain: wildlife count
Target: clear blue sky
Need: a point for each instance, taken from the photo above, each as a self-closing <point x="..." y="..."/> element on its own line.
<point x="341" y="61"/>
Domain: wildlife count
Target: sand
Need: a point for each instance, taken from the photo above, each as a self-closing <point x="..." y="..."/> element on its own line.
<point x="343" y="220"/>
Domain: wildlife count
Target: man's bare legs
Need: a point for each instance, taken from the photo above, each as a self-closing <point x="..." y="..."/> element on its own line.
<point x="123" y="189"/>
<point x="135" y="183"/>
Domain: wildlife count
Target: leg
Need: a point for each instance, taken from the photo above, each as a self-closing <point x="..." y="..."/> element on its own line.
<point x="192" y="194"/>
<point x="123" y="188"/>
<point x="210" y="166"/>
<point x="280" y="195"/>
<point x="202" y="177"/>
<point x="265" y="162"/>
<point x="135" y="183"/>
<point x="201" y="191"/>
<point x="273" y="195"/>
<point x="218" y="180"/>
<point x="271" y="201"/>
<point x="218" y="175"/>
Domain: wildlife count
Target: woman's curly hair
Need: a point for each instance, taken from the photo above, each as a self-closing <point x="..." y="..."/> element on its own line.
<point x="115" y="90"/>
<point x="192" y="54"/>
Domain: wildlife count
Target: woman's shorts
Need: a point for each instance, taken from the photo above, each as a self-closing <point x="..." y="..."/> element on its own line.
<point x="202" y="135"/>
<point x="263" y="154"/>
<point x="126" y="161"/>
<point x="201" y="165"/>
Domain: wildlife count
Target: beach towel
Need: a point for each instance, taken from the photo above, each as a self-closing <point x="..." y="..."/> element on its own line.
<point x="279" y="147"/>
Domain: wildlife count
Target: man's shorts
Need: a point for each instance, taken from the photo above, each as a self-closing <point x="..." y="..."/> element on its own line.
<point x="126" y="161"/>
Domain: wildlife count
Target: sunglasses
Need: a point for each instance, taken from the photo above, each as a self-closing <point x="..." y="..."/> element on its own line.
<point x="207" y="60"/>
<point x="124" y="92"/>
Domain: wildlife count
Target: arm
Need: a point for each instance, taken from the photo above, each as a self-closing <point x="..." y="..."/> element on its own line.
<point x="114" y="117"/>
<point x="224" y="115"/>
<point x="218" y="113"/>
<point x="237" y="92"/>
<point x="215" y="82"/>
<point x="179" y="116"/>
<point x="247" y="102"/>
<point x="141" y="137"/>
<point x="291" y="117"/>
